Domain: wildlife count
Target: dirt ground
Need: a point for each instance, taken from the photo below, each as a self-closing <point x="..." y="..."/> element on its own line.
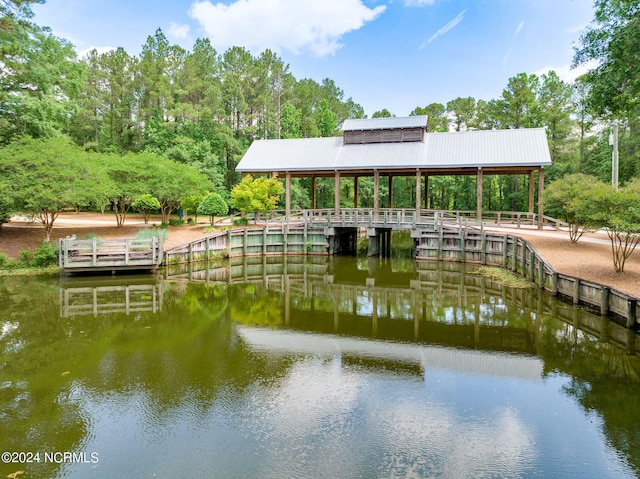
<point x="589" y="259"/>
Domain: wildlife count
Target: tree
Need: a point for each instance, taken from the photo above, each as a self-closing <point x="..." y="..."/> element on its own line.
<point x="437" y="116"/>
<point x="6" y="203"/>
<point x="517" y="105"/>
<point x="612" y="41"/>
<point x="463" y="111"/>
<point x="191" y="202"/>
<point x="48" y="176"/>
<point x="259" y="195"/>
<point x="618" y="211"/>
<point x="145" y="204"/>
<point x="326" y="119"/>
<point x="213" y="205"/>
<point x="561" y="196"/>
<point x="384" y="113"/>
<point x="555" y="109"/>
<point x="39" y="84"/>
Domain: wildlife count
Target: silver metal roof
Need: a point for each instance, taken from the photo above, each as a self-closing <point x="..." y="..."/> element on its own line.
<point x="468" y="149"/>
<point x="385" y="123"/>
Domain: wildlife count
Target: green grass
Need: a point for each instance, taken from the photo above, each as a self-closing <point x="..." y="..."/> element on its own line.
<point x="503" y="276"/>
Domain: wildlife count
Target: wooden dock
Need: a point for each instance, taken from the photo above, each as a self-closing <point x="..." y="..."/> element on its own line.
<point x="92" y="255"/>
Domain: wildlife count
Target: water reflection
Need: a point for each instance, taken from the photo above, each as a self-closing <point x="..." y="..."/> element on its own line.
<point x="298" y="367"/>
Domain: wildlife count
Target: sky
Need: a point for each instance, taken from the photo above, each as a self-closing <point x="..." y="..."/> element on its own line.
<point x="393" y="54"/>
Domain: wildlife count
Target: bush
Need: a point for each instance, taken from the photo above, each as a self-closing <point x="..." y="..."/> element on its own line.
<point x="4" y="260"/>
<point x="192" y="222"/>
<point x="45" y="255"/>
<point x="176" y="222"/>
<point x="26" y="257"/>
<point x="161" y="233"/>
<point x="241" y="221"/>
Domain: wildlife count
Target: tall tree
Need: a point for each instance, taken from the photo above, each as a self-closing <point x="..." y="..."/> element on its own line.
<point x="437" y="114"/>
<point x="517" y="104"/>
<point x="555" y="110"/>
<point x="463" y="111"/>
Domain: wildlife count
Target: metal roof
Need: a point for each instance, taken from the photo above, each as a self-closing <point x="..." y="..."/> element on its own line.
<point x="468" y="149"/>
<point x="385" y="123"/>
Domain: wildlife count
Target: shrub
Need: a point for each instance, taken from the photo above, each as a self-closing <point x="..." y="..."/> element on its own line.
<point x="26" y="257"/>
<point x="45" y="255"/>
<point x="161" y="233"/>
<point x="4" y="260"/>
<point x="192" y="222"/>
<point x="241" y="221"/>
<point x="176" y="222"/>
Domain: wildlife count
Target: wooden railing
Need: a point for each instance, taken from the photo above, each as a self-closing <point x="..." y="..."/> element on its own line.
<point x="96" y="254"/>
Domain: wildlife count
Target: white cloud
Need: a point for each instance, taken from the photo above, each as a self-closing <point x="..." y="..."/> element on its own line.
<point x="566" y="73"/>
<point x="519" y="27"/>
<point x="446" y="28"/>
<point x="419" y="3"/>
<point x="293" y="25"/>
<point x="178" y="31"/>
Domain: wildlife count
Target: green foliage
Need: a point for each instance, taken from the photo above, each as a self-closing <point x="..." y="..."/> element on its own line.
<point x="45" y="255"/>
<point x="618" y="211"/>
<point x="561" y="199"/>
<point x="213" y="205"/>
<point x="259" y="195"/>
<point x="148" y="233"/>
<point x="176" y="222"/>
<point x="50" y="175"/>
<point x="241" y="221"/>
<point x="145" y="204"/>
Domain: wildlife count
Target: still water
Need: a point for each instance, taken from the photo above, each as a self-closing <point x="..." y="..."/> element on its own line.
<point x="311" y="368"/>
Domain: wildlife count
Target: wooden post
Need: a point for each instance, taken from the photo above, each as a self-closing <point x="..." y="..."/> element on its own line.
<point x="313" y="192"/>
<point x="355" y="191"/>
<point x="390" y="191"/>
<point x="532" y="183"/>
<point x="337" y="192"/>
<point x="631" y="316"/>
<point x="479" y="195"/>
<point x="540" y="198"/>
<point x="576" y="290"/>
<point x="418" y="193"/>
<point x="287" y="193"/>
<point x="376" y="190"/>
<point x="426" y="191"/>
<point x="604" y="301"/>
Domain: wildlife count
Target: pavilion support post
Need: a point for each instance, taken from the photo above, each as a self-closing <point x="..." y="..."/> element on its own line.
<point x="313" y="192"/>
<point x="540" y="198"/>
<point x="355" y="191"/>
<point x="376" y="190"/>
<point x="426" y="191"/>
<point x="532" y="184"/>
<point x="337" y="192"/>
<point x="479" y="197"/>
<point x="418" y="193"/>
<point x="390" y="191"/>
<point x="287" y="193"/>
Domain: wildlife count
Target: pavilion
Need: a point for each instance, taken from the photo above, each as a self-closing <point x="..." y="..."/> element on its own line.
<point x="402" y="147"/>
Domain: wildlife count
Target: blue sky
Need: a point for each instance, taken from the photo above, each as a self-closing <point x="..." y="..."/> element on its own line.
<point x="394" y="54"/>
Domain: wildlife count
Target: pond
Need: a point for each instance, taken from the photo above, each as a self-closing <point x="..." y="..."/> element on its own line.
<point x="311" y="368"/>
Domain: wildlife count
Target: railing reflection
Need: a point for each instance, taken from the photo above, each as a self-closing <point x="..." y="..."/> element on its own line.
<point x="99" y="295"/>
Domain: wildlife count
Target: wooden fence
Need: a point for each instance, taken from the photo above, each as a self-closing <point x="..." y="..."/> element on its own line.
<point x="269" y="240"/>
<point x="521" y="257"/>
<point x="103" y="255"/>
